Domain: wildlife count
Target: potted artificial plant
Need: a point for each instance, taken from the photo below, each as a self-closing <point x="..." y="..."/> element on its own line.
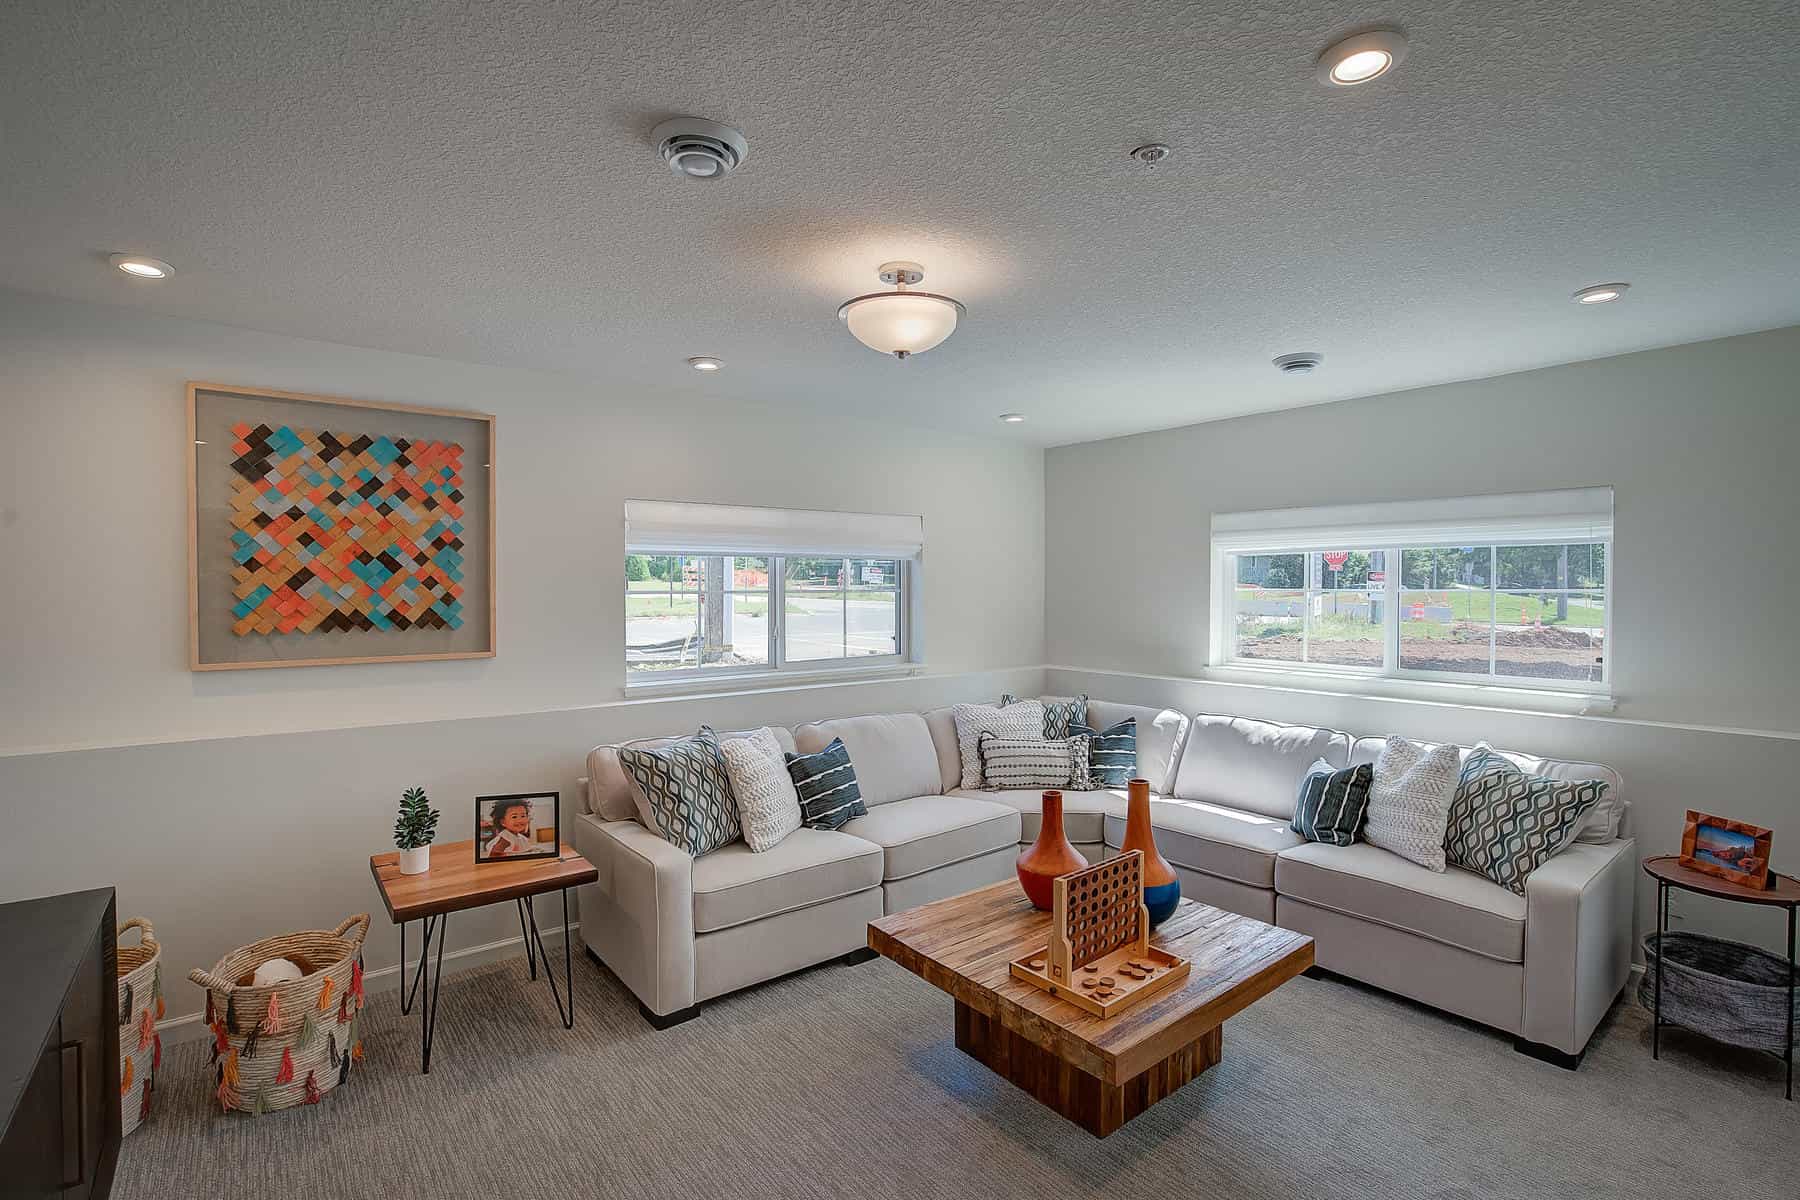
<point x="413" y="830"/>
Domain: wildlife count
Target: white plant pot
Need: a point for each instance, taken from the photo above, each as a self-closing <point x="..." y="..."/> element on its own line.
<point x="416" y="861"/>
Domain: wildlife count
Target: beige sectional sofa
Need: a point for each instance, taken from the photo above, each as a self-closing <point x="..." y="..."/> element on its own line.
<point x="1544" y="967"/>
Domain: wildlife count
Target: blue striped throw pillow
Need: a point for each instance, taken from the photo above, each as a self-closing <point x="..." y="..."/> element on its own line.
<point x="1112" y="752"/>
<point x="1332" y="803"/>
<point x="826" y="783"/>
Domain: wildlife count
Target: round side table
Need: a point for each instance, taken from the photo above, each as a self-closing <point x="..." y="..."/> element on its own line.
<point x="1783" y="892"/>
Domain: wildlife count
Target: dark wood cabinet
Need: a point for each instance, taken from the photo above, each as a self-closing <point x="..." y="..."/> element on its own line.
<point x="59" y="1047"/>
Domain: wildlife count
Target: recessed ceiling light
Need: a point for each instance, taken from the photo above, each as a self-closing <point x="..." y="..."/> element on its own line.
<point x="139" y="267"/>
<point x="703" y="363"/>
<point x="1013" y="418"/>
<point x="1361" y="58"/>
<point x="1600" y="293"/>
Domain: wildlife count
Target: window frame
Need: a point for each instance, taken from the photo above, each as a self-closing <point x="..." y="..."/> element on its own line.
<point x="778" y="664"/>
<point x="1225" y="633"/>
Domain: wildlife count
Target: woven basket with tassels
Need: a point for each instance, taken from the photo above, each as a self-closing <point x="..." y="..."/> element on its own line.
<point x="140" y="1008"/>
<point x="275" y="1047"/>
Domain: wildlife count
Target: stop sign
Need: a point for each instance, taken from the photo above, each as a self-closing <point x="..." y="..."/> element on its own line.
<point x="1335" y="559"/>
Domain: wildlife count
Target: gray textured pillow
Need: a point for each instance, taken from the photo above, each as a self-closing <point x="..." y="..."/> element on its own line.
<point x="1409" y="801"/>
<point x="1022" y="720"/>
<point x="1061" y="713"/>
<point x="767" y="803"/>
<point x="684" y="793"/>
<point x="1034" y="763"/>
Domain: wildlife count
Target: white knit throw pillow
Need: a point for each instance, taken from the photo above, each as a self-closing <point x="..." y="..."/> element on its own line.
<point x="1409" y="801"/>
<point x="1023" y="719"/>
<point x="768" y="805"/>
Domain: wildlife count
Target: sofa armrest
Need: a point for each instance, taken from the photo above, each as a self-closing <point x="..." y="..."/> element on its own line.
<point x="1578" y="927"/>
<point x="638" y="917"/>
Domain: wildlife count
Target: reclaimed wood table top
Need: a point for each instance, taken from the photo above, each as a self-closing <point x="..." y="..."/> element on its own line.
<point x="1782" y="890"/>
<point x="456" y="881"/>
<point x="964" y="945"/>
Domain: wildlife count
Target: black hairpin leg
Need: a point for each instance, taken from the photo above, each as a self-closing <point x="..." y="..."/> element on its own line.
<point x="534" y="949"/>
<point x="524" y="904"/>
<point x="435" y="927"/>
<point x="1662" y="926"/>
<point x="1789" y="1054"/>
<point x="411" y="990"/>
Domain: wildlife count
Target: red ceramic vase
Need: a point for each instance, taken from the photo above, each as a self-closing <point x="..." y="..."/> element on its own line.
<point x="1051" y="855"/>
<point x="1162" y="887"/>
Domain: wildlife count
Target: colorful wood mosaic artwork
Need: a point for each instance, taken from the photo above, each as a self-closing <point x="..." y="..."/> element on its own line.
<point x="344" y="531"/>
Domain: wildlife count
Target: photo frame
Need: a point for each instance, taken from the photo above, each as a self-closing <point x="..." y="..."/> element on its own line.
<point x="1727" y="849"/>
<point x="520" y="827"/>
<point x="324" y="531"/>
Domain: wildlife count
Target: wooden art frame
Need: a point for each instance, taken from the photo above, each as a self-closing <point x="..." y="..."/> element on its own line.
<point x="1752" y="868"/>
<point x="452" y="613"/>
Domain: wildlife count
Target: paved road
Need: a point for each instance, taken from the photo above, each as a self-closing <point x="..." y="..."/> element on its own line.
<point x="817" y="633"/>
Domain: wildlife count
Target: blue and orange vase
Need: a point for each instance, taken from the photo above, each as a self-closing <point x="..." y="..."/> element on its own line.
<point x="1162" y="887"/>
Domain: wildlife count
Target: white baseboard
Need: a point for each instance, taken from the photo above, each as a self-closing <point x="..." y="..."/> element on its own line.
<point x="191" y="1026"/>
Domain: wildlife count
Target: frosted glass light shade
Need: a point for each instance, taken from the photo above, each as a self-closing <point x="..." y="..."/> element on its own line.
<point x="901" y="323"/>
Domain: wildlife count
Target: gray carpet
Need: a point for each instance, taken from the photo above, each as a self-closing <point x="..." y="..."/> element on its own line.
<point x="843" y="1081"/>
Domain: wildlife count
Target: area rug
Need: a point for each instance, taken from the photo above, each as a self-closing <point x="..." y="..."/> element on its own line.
<point x="843" y="1081"/>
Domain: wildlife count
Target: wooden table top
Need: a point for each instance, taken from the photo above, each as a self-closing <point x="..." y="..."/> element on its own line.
<point x="1667" y="867"/>
<point x="964" y="944"/>
<point x="456" y="881"/>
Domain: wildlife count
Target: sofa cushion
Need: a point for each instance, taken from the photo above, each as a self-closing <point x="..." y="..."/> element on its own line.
<point x="942" y="723"/>
<point x="893" y="753"/>
<point x="1603" y="824"/>
<point x="610" y="793"/>
<point x="1227" y="842"/>
<point x="926" y="832"/>
<point x="1160" y="734"/>
<point x="1256" y="765"/>
<point x="1082" y="811"/>
<point x="684" y="793"/>
<point x="736" y="884"/>
<point x="1456" y="907"/>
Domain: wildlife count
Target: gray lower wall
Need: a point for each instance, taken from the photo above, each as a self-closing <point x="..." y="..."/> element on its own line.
<point x="224" y="841"/>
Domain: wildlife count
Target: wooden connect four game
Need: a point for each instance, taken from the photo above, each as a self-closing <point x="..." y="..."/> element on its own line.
<point x="1100" y="957"/>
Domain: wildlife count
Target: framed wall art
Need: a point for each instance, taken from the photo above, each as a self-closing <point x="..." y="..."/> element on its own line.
<point x="325" y="531"/>
<point x="1728" y="849"/>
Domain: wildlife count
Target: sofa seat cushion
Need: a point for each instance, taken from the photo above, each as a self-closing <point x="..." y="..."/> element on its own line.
<point x="734" y="884"/>
<point x="1254" y="765"/>
<point x="1456" y="907"/>
<point x="1227" y="842"/>
<point x="1083" y="812"/>
<point x="926" y="832"/>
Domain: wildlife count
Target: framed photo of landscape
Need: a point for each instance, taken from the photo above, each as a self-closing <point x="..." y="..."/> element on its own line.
<point x="1726" y="849"/>
<point x="324" y="531"/>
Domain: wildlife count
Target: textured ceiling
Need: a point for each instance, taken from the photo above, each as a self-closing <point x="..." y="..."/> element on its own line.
<point x="474" y="181"/>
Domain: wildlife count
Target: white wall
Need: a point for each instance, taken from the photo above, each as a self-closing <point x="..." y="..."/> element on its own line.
<point x="228" y="833"/>
<point x="1699" y="443"/>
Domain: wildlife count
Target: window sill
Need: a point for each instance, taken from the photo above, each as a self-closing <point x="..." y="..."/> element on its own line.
<point x="766" y="681"/>
<point x="1473" y="695"/>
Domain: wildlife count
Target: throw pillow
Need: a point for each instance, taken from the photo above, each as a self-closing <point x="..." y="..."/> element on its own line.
<point x="684" y="792"/>
<point x="768" y="805"/>
<point x="1409" y="801"/>
<point x="1332" y="803"/>
<point x="1024" y="719"/>
<point x="1505" y="824"/>
<point x="1034" y="762"/>
<point x="1112" y="753"/>
<point x="1061" y="713"/>
<point x="826" y="783"/>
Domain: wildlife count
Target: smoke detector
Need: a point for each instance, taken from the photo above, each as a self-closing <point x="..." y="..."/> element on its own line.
<point x="1303" y="363"/>
<point x="699" y="149"/>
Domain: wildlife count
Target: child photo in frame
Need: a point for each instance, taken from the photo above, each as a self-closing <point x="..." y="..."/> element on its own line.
<point x="523" y="826"/>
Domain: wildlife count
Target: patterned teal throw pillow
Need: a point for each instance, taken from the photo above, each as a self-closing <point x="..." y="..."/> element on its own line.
<point x="1332" y="803"/>
<point x="827" y="786"/>
<point x="1505" y="824"/>
<point x="684" y="792"/>
<point x="1064" y="716"/>
<point x="1112" y="752"/>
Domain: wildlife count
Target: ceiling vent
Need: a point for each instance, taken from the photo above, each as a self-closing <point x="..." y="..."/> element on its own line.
<point x="1303" y="363"/>
<point x="699" y="149"/>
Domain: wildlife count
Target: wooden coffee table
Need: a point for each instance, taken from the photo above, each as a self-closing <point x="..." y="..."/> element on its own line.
<point x="1099" y="1072"/>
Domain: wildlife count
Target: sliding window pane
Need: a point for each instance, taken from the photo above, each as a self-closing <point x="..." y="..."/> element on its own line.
<point x="688" y="611"/>
<point x="1446" y="629"/>
<point x="872" y="608"/>
<point x="1270" y="624"/>
<point x="815" y="621"/>
<point x="1576" y="565"/>
<point x="1344" y="608"/>
<point x="1550" y="634"/>
<point x="1447" y="568"/>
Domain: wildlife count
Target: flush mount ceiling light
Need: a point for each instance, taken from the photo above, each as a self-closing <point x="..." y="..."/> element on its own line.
<point x="1303" y="363"/>
<point x="139" y="267"/>
<point x="699" y="149"/>
<point x="1361" y="58"/>
<point x="1013" y="418"/>
<point x="704" y="363"/>
<point x="901" y="323"/>
<point x="1600" y="293"/>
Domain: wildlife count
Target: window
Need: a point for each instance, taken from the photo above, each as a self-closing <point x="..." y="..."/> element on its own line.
<point x="1510" y="590"/>
<point x="703" y="612"/>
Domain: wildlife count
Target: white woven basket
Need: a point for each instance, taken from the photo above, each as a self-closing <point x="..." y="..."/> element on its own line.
<point x="140" y="1008"/>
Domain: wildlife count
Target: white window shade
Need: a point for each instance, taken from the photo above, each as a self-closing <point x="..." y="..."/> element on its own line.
<point x="1535" y="518"/>
<point x="676" y="526"/>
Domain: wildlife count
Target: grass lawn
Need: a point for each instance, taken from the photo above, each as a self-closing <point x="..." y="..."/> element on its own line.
<point x="642" y="605"/>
